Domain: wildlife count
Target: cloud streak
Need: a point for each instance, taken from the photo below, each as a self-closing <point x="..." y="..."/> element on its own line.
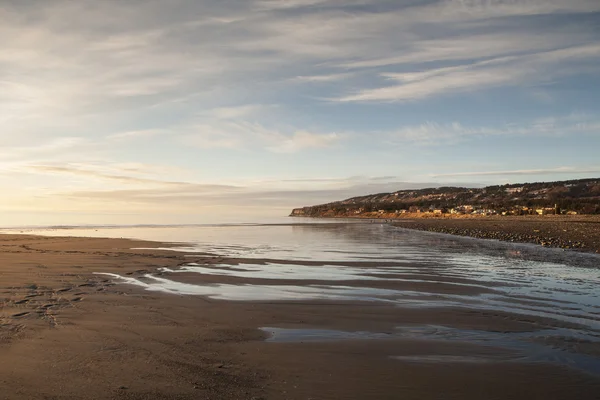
<point x="194" y="196"/>
<point x="153" y="55"/>
<point x="70" y="170"/>
<point x="519" y="172"/>
<point x="432" y="133"/>
<point x="236" y="134"/>
<point x="497" y="72"/>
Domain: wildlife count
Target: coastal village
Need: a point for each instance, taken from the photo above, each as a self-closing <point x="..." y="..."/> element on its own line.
<point x="477" y="210"/>
<point x="415" y="211"/>
<point x="533" y="199"/>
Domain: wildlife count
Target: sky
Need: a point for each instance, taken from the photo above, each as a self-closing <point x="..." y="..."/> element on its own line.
<point x="192" y="111"/>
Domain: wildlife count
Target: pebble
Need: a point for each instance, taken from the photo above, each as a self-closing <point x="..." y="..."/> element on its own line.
<point x="508" y="237"/>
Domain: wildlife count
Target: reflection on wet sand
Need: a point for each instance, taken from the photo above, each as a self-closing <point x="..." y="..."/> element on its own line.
<point x="390" y="267"/>
<point x="525" y="287"/>
<point x="525" y="347"/>
<point x="249" y="292"/>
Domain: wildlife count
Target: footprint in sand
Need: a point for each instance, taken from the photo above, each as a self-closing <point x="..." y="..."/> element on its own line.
<point x="20" y="314"/>
<point x="142" y="271"/>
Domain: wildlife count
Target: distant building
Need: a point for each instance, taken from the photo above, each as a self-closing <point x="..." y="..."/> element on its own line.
<point x="514" y="190"/>
<point x="545" y="211"/>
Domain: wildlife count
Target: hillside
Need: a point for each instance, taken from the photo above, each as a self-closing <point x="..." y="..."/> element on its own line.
<point x="575" y="196"/>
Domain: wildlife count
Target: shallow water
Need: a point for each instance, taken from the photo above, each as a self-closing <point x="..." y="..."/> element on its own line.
<point x="378" y="263"/>
<point x="248" y="292"/>
<point x="520" y="278"/>
<point x="526" y="347"/>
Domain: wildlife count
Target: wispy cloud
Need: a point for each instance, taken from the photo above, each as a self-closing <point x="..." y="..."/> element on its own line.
<point x="154" y="58"/>
<point x="132" y="135"/>
<point x="47" y="149"/>
<point x="301" y="140"/>
<point x="236" y="112"/>
<point x="546" y="171"/>
<point x="324" y="78"/>
<point x="77" y="171"/>
<point x="511" y="70"/>
<point x="244" y="135"/>
<point x="432" y="133"/>
<point x="254" y="195"/>
<point x="287" y="4"/>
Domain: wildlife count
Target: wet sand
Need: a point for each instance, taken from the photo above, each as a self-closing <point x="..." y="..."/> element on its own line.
<point x="568" y="232"/>
<point x="68" y="333"/>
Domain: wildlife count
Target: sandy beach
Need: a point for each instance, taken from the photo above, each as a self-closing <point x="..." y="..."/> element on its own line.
<point x="69" y="333"/>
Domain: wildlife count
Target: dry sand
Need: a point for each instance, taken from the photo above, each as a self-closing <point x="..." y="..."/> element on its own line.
<point x="66" y="333"/>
